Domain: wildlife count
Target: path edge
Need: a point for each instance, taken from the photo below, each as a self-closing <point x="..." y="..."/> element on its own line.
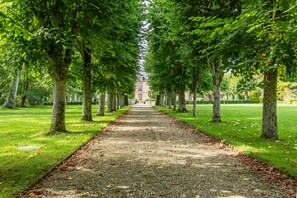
<point x="100" y="133"/>
<point x="273" y="175"/>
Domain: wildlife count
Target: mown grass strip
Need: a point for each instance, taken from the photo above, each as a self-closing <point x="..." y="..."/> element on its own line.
<point x="28" y="127"/>
<point x="241" y="127"/>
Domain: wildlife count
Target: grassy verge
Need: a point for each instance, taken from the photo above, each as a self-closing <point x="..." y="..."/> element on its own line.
<point x="28" y="126"/>
<point x="241" y="127"/>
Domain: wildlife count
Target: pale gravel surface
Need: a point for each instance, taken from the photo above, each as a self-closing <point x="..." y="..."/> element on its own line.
<point x="147" y="155"/>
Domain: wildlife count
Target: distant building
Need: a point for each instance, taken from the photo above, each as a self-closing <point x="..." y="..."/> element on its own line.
<point x="141" y="89"/>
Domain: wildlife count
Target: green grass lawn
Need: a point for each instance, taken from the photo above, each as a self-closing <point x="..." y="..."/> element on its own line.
<point x="241" y="127"/>
<point x="28" y="126"/>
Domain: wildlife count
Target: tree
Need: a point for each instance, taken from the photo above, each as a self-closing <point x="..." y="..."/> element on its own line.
<point x="115" y="69"/>
<point x="57" y="28"/>
<point x="166" y="59"/>
<point x="54" y="32"/>
<point x="204" y="20"/>
<point x="264" y="26"/>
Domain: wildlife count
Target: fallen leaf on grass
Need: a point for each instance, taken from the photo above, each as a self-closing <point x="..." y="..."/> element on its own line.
<point x="38" y="153"/>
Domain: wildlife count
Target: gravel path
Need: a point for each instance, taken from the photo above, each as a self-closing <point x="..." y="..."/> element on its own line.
<point x="146" y="154"/>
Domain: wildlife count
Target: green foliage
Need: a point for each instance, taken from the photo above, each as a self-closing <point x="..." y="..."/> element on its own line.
<point x="285" y="91"/>
<point x="115" y="68"/>
<point x="49" y="36"/>
<point x="28" y="126"/>
<point x="230" y="84"/>
<point x="255" y="96"/>
<point x="5" y="81"/>
<point x="242" y="128"/>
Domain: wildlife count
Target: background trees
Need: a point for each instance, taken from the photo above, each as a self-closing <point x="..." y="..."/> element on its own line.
<point x="95" y="44"/>
<point x="245" y="38"/>
<point x="51" y="36"/>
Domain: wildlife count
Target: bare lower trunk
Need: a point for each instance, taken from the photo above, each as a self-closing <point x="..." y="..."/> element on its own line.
<point x="114" y="102"/>
<point x="169" y="100"/>
<point x="158" y="100"/>
<point x="101" y="105"/>
<point x="174" y="101"/>
<point x="12" y="94"/>
<point x="216" y="115"/>
<point x="217" y="77"/>
<point x="118" y="101"/>
<point x="162" y="99"/>
<point x="182" y="100"/>
<point x="24" y="97"/>
<point x="87" y="95"/>
<point x="195" y="102"/>
<point x="23" y="101"/>
<point x="126" y="100"/>
<point x="269" y="118"/>
<point x="58" y="113"/>
<point x="109" y="102"/>
<point x="58" y="70"/>
<point x="123" y="100"/>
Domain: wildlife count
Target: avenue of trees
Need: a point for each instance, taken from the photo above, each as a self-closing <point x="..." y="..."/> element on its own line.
<point x="193" y="44"/>
<point x="63" y="46"/>
<point x="55" y="48"/>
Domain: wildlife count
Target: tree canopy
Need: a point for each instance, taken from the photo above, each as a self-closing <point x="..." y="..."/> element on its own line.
<point x="245" y="38"/>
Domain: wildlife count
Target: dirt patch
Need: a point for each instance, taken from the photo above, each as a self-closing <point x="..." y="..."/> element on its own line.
<point x="146" y="154"/>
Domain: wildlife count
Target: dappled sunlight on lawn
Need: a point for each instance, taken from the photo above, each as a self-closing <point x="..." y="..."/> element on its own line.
<point x="242" y="127"/>
<point x="28" y="127"/>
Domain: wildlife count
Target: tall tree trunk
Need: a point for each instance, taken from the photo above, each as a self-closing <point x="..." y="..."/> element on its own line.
<point x="60" y="60"/>
<point x="109" y="102"/>
<point x="58" y="112"/>
<point x="114" y="102"/>
<point x="174" y="101"/>
<point x="101" y="105"/>
<point x="182" y="100"/>
<point x="13" y="90"/>
<point x="216" y="115"/>
<point x="87" y="78"/>
<point x="269" y="118"/>
<point x="195" y="77"/>
<point x="162" y="99"/>
<point x="126" y="100"/>
<point x="118" y="101"/>
<point x="26" y="88"/>
<point x="217" y="77"/>
<point x="157" y="100"/>
<point x="169" y="100"/>
<point x="23" y="101"/>
<point x="195" y="101"/>
<point x="123" y="100"/>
